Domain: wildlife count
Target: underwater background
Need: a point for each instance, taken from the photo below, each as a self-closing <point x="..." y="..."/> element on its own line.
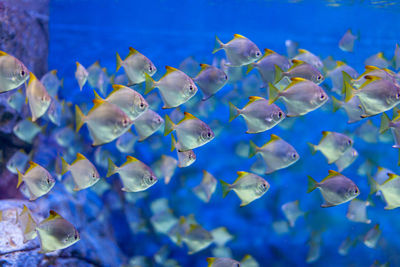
<point x="116" y="228"/>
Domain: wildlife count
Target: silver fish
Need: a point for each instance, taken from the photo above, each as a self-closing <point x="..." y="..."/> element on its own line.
<point x="13" y="72"/>
<point x="210" y="80"/>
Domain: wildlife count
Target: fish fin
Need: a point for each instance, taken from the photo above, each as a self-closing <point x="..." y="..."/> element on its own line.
<point x="369" y="79"/>
<point x="96" y="95"/>
<point x="112" y="168"/>
<point x="313" y="148"/>
<point x="302" y="51"/>
<point x="119" y="62"/>
<point x="312" y="184"/>
<point x="278" y="74"/>
<point x="97" y="103"/>
<point x="337" y="104"/>
<point x="391" y="176"/>
<point x="374" y="186"/>
<point x="244" y="203"/>
<point x="296" y="63"/>
<point x="170" y="69"/>
<point x="169" y="125"/>
<point x="130" y="159"/>
<point x="149" y="83"/>
<point x="79" y="157"/>
<point x="240" y="174"/>
<point x="253" y="149"/>
<point x="385" y="122"/>
<point x="233" y="112"/>
<point x="173" y="143"/>
<point x="210" y="261"/>
<point x="348" y="89"/>
<point x="371" y="68"/>
<point x="218" y="45"/>
<point x="2" y="53"/>
<point x="64" y="166"/>
<point x="204" y="67"/>
<point x="20" y="178"/>
<point x="188" y="116"/>
<point x="226" y="188"/>
<point x="274" y="137"/>
<point x="237" y="36"/>
<point x="331" y="173"/>
<point x="273" y="93"/>
<point x="79" y="118"/>
<point x="327" y="205"/>
<point x="250" y="67"/>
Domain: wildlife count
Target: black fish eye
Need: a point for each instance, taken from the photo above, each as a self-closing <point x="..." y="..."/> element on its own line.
<point x="294" y="155"/>
<point x="150" y="69"/>
<point x="209" y="134"/>
<point x="319" y="77"/>
<point x="226" y="77"/>
<point x="322" y="96"/>
<point x="48" y="181"/>
<point x="258" y="53"/>
<point x="76" y="236"/>
<point x="349" y="142"/>
<point x="279" y="114"/>
<point x="22" y="73"/>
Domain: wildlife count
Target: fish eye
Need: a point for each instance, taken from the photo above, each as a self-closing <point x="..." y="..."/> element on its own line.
<point x="226" y="77"/>
<point x="322" y="97"/>
<point x="93" y="175"/>
<point x="191" y="87"/>
<point x="258" y="53"/>
<point x="349" y="142"/>
<point x="294" y="155"/>
<point x="398" y="96"/>
<point x="209" y="134"/>
<point x="76" y="236"/>
<point x="150" y="68"/>
<point x="48" y="180"/>
<point x="280" y="114"/>
<point x="23" y="73"/>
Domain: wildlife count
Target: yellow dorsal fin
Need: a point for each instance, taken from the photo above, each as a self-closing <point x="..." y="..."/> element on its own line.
<point x="131" y="159"/>
<point x="52" y="215"/>
<point x="273" y="139"/>
<point x="132" y="51"/>
<point x="296" y="63"/>
<point x="380" y="168"/>
<point x="79" y="157"/>
<point x="97" y="103"/>
<point x="397" y="118"/>
<point x="253" y="99"/>
<point x="324" y="134"/>
<point x="25" y="209"/>
<point x="182" y="220"/>
<point x="389" y="71"/>
<point x="236" y="36"/>
<point x="269" y="51"/>
<point x="2" y="53"/>
<point x="370" y="68"/>
<point x="331" y="174"/>
<point x="31" y="166"/>
<point x="77" y="64"/>
<point x="369" y="79"/>
<point x="240" y="174"/>
<point x="188" y="116"/>
<point x="193" y="227"/>
<point x="391" y="176"/>
<point x="297" y="79"/>
<point x="210" y="261"/>
<point x="340" y="63"/>
<point x="32" y="78"/>
<point x="97" y="64"/>
<point x="302" y="51"/>
<point x="170" y="69"/>
<point x="380" y="55"/>
<point x="116" y="88"/>
<point x="54" y="72"/>
<point x="204" y="66"/>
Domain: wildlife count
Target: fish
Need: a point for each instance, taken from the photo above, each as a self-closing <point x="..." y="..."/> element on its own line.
<point x="394" y="125"/>
<point x="166" y="168"/>
<point x="197" y="238"/>
<point x="222" y="262"/>
<point x="56" y="233"/>
<point x="314" y="251"/>
<point x="175" y="87"/>
<point x="185" y="158"/>
<point x="13" y="72"/>
<point x="221" y="236"/>
<point x="292" y="212"/>
<point x="163" y="221"/>
<point x="258" y="114"/>
<point x="332" y="145"/>
<point x="126" y="142"/>
<point x="38" y="98"/>
<point x="276" y="153"/>
<point x="240" y="51"/>
<point x="83" y="172"/>
<point x="27" y="223"/>
<point x="300" y="69"/>
<point x="335" y="188"/>
<point x="346" y="245"/>
<point x="65" y="136"/>
<point x="247" y="186"/>
<point x="55" y="110"/>
<point x="206" y="188"/>
<point x="384" y="74"/>
<point x="210" y="80"/>
<point x="346" y="43"/>
<point x="127" y="99"/>
<point x="38" y="180"/>
<point x="352" y="108"/>
<point x="17" y="161"/>
<point x="299" y="97"/>
<point x="376" y="95"/>
<point x="98" y="78"/>
<point x="310" y="58"/>
<point x="147" y="124"/>
<point x="377" y="60"/>
<point x="337" y="76"/>
<point x="191" y="132"/>
<point x="371" y="238"/>
<point x="135" y="175"/>
<point x="248" y="261"/>
<point x="105" y="121"/>
<point x="346" y="159"/>
<point x="357" y="211"/>
<point x="135" y="66"/>
<point x="26" y="130"/>
<point x="266" y="65"/>
<point x="81" y="75"/>
<point x="190" y="66"/>
<point x="368" y="132"/>
<point x="390" y="190"/>
<point x="16" y="100"/>
<point x="52" y="83"/>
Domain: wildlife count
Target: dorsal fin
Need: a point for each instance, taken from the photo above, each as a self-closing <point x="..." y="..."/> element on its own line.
<point x="54" y="72"/>
<point x="97" y="103"/>
<point x="31" y="166"/>
<point x="340" y="63"/>
<point x="240" y="174"/>
<point x="79" y="157"/>
<point x="52" y="215"/>
<point x="204" y="66"/>
<point x="297" y="79"/>
<point x="269" y="51"/>
<point x="170" y="69"/>
<point x="369" y="79"/>
<point x="188" y="116"/>
<point x="331" y="174"/>
<point x="389" y="71"/>
<point x="132" y="51"/>
<point x="296" y="63"/>
<point x="32" y="78"/>
<point x="131" y="159"/>
<point x="324" y="134"/>
<point x="236" y="36"/>
<point x="116" y="88"/>
<point x="371" y="68"/>
<point x="97" y="64"/>
<point x="2" y="53"/>
<point x="302" y="51"/>
<point x="253" y="99"/>
<point x="273" y="139"/>
<point x="391" y="176"/>
<point x="380" y="55"/>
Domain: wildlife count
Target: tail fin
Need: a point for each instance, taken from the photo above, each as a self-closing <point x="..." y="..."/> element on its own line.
<point x="79" y="118"/>
<point x="385" y="122"/>
<point x="313" y="148"/>
<point x="225" y="188"/>
<point x="373" y="185"/>
<point x="273" y="93"/>
<point x="253" y="149"/>
<point x="250" y="67"/>
<point x="64" y="166"/>
<point x="233" y="112"/>
<point x="20" y="178"/>
<point x="112" y="168"/>
<point x="218" y="45"/>
<point x="173" y="142"/>
<point x="278" y="74"/>
<point x="96" y="95"/>
<point x="347" y="87"/>
<point x="169" y="125"/>
<point x="312" y="184"/>
<point x="149" y="83"/>
<point x="119" y="62"/>
<point x="337" y="104"/>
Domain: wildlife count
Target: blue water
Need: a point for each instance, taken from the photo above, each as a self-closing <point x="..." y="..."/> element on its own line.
<point x="170" y="31"/>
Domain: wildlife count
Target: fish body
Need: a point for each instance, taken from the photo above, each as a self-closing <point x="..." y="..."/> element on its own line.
<point x="13" y="72"/>
<point x="38" y="98"/>
<point x="147" y="124"/>
<point x="210" y="80"/>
